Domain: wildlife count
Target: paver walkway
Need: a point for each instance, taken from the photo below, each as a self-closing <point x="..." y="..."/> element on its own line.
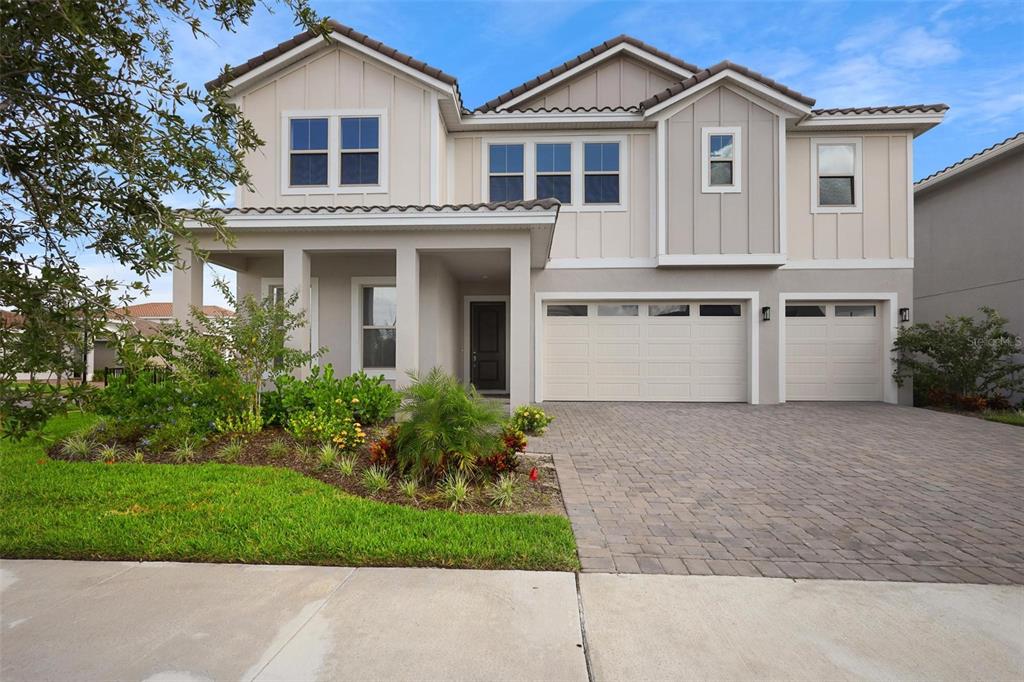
<point x="803" y="490"/>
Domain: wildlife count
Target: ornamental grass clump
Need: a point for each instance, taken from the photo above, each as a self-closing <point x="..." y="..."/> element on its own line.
<point x="409" y="487"/>
<point x="454" y="489"/>
<point x="328" y="455"/>
<point x="346" y="465"/>
<point x="277" y="449"/>
<point x="77" y="447"/>
<point x="502" y="492"/>
<point x="376" y="479"/>
<point x="184" y="453"/>
<point x="108" y="454"/>
<point x="230" y="451"/>
<point x="447" y="427"/>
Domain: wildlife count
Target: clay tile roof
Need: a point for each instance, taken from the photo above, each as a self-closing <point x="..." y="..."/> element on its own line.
<point x="895" y="109"/>
<point x="344" y="30"/>
<point x="525" y="205"/>
<point x="992" y="151"/>
<point x="702" y="76"/>
<point x="576" y="61"/>
<point x="163" y="309"/>
<point x="606" y="109"/>
<point x="10" y="319"/>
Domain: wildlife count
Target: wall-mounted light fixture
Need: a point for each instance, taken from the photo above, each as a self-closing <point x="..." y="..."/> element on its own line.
<point x="904" y="314"/>
<point x="766" y="314"/>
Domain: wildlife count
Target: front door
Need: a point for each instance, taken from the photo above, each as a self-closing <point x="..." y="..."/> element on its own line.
<point x="487" y="345"/>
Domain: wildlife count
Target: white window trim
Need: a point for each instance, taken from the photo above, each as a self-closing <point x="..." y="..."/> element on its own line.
<point x="858" y="174"/>
<point x="529" y="192"/>
<point x="572" y="171"/>
<point x="705" y="160"/>
<point x="530" y="141"/>
<point x="391" y="374"/>
<point x="890" y="330"/>
<point x="334" y="185"/>
<point x="752" y="299"/>
<point x="314" y="308"/>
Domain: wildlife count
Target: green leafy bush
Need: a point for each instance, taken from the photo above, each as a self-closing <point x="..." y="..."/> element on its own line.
<point x="961" y="361"/>
<point x="326" y="426"/>
<point x="447" y="426"/>
<point x="530" y="420"/>
<point x="370" y="400"/>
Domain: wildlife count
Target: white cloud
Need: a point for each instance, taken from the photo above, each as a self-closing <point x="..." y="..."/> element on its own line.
<point x="916" y="48"/>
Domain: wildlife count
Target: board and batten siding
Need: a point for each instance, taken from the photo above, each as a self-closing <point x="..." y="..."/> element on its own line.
<point x="879" y="231"/>
<point x="333" y="79"/>
<point x="590" y="233"/>
<point x="618" y="82"/>
<point x="744" y="222"/>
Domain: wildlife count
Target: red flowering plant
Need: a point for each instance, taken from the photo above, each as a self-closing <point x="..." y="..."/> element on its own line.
<point x="382" y="450"/>
<point x="511" y="443"/>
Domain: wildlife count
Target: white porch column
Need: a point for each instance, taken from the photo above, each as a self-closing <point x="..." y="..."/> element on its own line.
<point x="247" y="284"/>
<point x="187" y="286"/>
<point x="296" y="280"/>
<point x="407" y="314"/>
<point x="519" y="321"/>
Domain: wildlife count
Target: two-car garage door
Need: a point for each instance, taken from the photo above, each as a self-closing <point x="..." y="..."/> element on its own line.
<point x="645" y="350"/>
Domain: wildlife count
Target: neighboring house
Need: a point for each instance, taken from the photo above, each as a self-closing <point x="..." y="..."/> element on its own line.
<point x="969" y="228"/>
<point x="625" y="226"/>
<point x="161" y="312"/>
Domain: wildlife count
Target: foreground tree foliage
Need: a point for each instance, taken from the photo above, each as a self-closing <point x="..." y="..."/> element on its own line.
<point x="961" y="361"/>
<point x="95" y="133"/>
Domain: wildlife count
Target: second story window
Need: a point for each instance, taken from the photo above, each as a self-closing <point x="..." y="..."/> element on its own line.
<point x="720" y="159"/>
<point x="601" y="172"/>
<point x="554" y="172"/>
<point x="308" y="152"/>
<point x="360" y="150"/>
<point x="506" y="172"/>
<point x="836" y="175"/>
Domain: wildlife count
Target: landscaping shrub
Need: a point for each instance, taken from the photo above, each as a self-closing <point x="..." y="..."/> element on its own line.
<point x="530" y="420"/>
<point x="961" y="362"/>
<point x="369" y="400"/>
<point x="505" y="458"/>
<point x="447" y="426"/>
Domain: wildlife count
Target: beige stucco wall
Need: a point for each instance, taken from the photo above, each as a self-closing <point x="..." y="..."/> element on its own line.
<point x="339" y="79"/>
<point x="714" y="222"/>
<point x="440" y="317"/>
<point x="581" y="232"/>
<point x="619" y="82"/>
<point x="879" y="231"/>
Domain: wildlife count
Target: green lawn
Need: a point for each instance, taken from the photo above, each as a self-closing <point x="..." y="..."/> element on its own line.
<point x="226" y="513"/>
<point x="1008" y="417"/>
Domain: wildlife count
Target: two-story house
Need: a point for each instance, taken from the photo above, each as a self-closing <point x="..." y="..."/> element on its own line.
<point x="625" y="226"/>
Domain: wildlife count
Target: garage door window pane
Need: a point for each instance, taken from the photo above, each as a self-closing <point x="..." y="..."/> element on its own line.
<point x="669" y="310"/>
<point x="719" y="310"/>
<point x="805" y="311"/>
<point x="611" y="310"/>
<point x="567" y="311"/>
<point x="855" y="311"/>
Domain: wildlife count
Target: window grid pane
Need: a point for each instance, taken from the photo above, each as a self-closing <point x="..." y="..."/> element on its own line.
<point x="309" y="134"/>
<point x="836" y="159"/>
<point x="360" y="133"/>
<point x="556" y="187"/>
<point x="721" y="146"/>
<point x="835" y="191"/>
<point x="720" y="310"/>
<point x="721" y="173"/>
<point x="308" y="170"/>
<point x="506" y="188"/>
<point x="618" y="310"/>
<point x="805" y="311"/>
<point x="601" y="189"/>
<point x="554" y="158"/>
<point x="506" y="158"/>
<point x="379" y="306"/>
<point x="668" y="310"/>
<point x="360" y="168"/>
<point x="601" y="157"/>
<point x="379" y="348"/>
<point x="567" y="311"/>
<point x="855" y="311"/>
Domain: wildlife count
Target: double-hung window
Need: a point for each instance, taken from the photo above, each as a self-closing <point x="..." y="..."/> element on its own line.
<point x="720" y="159"/>
<point x="360" y="150"/>
<point x="308" y="152"/>
<point x="554" y="172"/>
<point x="837" y="175"/>
<point x="378" y="333"/>
<point x="601" y="172"/>
<point x="506" y="172"/>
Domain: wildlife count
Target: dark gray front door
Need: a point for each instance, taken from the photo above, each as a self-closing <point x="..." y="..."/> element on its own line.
<point x="487" y="345"/>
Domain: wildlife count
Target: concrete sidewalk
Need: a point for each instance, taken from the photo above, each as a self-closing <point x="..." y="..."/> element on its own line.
<point x="162" y="621"/>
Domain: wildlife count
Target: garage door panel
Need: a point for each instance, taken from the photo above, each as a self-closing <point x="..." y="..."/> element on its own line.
<point x="834" y="358"/>
<point x="644" y="357"/>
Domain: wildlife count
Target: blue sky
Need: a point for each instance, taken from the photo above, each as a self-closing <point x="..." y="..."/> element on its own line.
<point x="967" y="54"/>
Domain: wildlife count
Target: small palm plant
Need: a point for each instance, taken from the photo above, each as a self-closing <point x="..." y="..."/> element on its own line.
<point x="503" y="491"/>
<point x="454" y="489"/>
<point x="376" y="479"/>
<point x="77" y="446"/>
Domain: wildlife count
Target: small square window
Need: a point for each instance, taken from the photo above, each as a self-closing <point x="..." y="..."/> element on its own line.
<point x="720" y="310"/>
<point x="805" y="311"/>
<point x="837" y="175"/>
<point x="720" y="156"/>
<point x="668" y="310"/>
<point x="855" y="311"/>
<point x="618" y="310"/>
<point x="562" y="310"/>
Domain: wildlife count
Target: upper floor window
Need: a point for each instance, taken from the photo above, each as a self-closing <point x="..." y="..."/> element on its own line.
<point x="836" y="176"/>
<point x="308" y="152"/>
<point x="554" y="172"/>
<point x="720" y="159"/>
<point x="338" y="151"/>
<point x="506" y="172"/>
<point x="601" y="172"/>
<point x="360" y="150"/>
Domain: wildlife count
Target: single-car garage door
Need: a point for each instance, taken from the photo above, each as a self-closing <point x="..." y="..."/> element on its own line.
<point x="833" y="351"/>
<point x="637" y="350"/>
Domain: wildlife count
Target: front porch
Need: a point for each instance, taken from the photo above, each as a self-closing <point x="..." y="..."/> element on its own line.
<point x="391" y="299"/>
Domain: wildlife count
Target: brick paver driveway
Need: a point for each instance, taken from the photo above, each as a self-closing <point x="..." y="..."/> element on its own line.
<point x="812" y="490"/>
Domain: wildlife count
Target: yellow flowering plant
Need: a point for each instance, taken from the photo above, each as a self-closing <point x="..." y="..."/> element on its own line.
<point x="530" y="419"/>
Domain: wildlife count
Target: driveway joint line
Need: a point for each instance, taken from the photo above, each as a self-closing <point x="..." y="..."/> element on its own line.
<point x="583" y="629"/>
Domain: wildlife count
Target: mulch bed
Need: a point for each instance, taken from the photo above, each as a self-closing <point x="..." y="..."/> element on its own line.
<point x="542" y="496"/>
